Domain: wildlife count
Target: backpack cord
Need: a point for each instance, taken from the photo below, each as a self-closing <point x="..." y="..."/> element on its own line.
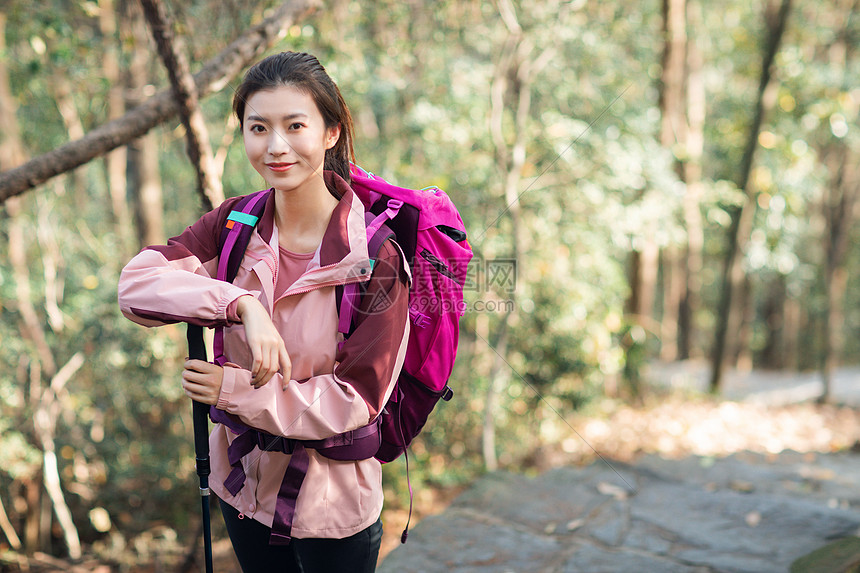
<point x="405" y="533"/>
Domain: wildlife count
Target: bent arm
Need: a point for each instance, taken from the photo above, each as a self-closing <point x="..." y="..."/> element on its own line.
<point x="354" y="394"/>
<point x="170" y="283"/>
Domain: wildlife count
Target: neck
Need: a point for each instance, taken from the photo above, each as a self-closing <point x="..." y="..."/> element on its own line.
<point x="302" y="216"/>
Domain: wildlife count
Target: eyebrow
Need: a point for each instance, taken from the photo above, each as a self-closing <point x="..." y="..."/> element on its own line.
<point x="287" y="117"/>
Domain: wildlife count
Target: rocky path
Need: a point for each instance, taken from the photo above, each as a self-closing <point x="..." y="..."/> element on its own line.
<point x="690" y="496"/>
<point x="744" y="513"/>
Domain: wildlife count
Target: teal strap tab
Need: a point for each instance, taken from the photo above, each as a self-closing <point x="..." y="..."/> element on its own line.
<point x="243" y="218"/>
<point x="372" y="262"/>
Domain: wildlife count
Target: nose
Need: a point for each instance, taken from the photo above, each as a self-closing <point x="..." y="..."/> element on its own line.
<point x="278" y="143"/>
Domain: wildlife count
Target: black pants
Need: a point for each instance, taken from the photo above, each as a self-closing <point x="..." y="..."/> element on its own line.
<point x="250" y="538"/>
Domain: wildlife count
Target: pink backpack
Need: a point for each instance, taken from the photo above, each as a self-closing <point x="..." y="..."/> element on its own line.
<point x="432" y="236"/>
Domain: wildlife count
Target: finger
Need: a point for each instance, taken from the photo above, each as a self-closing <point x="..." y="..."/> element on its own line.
<point x="261" y="370"/>
<point x="256" y="362"/>
<point x="199" y="378"/>
<point x="274" y="365"/>
<point x="193" y="391"/>
<point x="286" y="366"/>
<point x="197" y="365"/>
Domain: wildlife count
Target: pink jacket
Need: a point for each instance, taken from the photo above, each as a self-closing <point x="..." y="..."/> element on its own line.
<point x="331" y="391"/>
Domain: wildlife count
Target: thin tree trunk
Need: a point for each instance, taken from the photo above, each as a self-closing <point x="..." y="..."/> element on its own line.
<point x="115" y="161"/>
<point x="772" y="356"/>
<point x="52" y="261"/>
<point x="842" y="198"/>
<point x="648" y="271"/>
<point x="8" y="529"/>
<point x="673" y="125"/>
<point x="673" y="133"/>
<point x="185" y="91"/>
<point x="728" y="311"/>
<point x="674" y="278"/>
<point x="844" y="193"/>
<point x="214" y="75"/>
<point x="143" y="169"/>
<point x="33" y="496"/>
<point x="45" y="423"/>
<point x="496" y="383"/>
<point x="743" y="360"/>
<point x="63" y="95"/>
<point x="792" y="314"/>
<point x="513" y="61"/>
<point x="692" y="176"/>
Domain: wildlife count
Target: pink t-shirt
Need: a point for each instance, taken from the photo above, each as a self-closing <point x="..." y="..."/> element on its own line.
<point x="290" y="267"/>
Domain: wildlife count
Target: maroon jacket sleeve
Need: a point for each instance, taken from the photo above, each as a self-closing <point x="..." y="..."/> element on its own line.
<point x="367" y="358"/>
<point x="175" y="282"/>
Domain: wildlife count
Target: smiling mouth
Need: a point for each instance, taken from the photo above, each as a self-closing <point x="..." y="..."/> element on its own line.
<point x="279" y="166"/>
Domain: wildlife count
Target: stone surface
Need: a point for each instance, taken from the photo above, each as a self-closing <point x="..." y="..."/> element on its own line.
<point x="743" y="513"/>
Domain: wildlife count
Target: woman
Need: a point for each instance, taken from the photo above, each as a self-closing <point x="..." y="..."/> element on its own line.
<point x="288" y="373"/>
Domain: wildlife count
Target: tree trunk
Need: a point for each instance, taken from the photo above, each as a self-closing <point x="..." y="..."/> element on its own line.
<point x="673" y="134"/>
<point x="743" y="359"/>
<point x="212" y="77"/>
<point x="728" y="311"/>
<point x="514" y="62"/>
<point x="792" y="315"/>
<point x="115" y="161"/>
<point x="52" y="261"/>
<point x="843" y="195"/>
<point x="143" y="169"/>
<point x="8" y="530"/>
<point x="772" y="355"/>
<point x="839" y="210"/>
<point x="185" y="91"/>
<point x="692" y="176"/>
<point x="45" y="423"/>
<point x="674" y="279"/>
<point x="62" y="91"/>
<point x="673" y="124"/>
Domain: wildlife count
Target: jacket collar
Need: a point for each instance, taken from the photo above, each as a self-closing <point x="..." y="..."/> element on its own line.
<point x="344" y="243"/>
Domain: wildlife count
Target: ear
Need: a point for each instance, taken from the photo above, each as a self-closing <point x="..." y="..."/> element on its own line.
<point x="332" y="136"/>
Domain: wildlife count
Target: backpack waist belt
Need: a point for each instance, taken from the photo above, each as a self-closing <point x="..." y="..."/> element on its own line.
<point x="358" y="444"/>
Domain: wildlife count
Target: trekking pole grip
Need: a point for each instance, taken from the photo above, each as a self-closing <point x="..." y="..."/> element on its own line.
<point x="197" y="351"/>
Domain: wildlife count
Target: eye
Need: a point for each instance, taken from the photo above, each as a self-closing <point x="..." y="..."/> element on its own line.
<point x="257" y="128"/>
<point x="296" y="126"/>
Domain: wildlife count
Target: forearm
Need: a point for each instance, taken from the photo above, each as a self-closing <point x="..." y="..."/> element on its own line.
<point x="153" y="290"/>
<point x="312" y="409"/>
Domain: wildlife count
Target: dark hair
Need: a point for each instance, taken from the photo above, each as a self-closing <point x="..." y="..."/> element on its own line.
<point x="305" y="72"/>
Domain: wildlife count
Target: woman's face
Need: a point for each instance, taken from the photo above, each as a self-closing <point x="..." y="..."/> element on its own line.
<point x="286" y="138"/>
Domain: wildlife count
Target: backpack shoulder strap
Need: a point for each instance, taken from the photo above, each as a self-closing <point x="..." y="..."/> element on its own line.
<point x="347" y="297"/>
<point x="235" y="236"/>
<point x="236" y="233"/>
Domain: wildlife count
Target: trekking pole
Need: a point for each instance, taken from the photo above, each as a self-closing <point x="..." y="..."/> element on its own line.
<point x="197" y="350"/>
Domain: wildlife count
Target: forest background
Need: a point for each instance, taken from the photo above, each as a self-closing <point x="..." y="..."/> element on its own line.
<point x="641" y="181"/>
